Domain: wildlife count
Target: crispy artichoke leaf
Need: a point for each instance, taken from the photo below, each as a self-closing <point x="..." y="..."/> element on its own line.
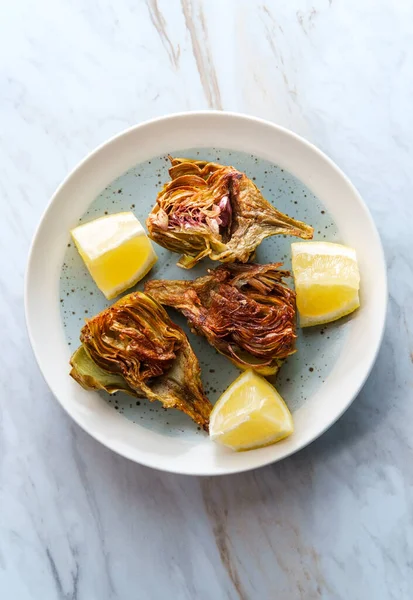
<point x="92" y="377"/>
<point x="134" y="347"/>
<point x="245" y="311"/>
<point x="181" y="387"/>
<point x="214" y="210"/>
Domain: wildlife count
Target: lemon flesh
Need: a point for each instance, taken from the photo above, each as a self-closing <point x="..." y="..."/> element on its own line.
<point x="250" y="414"/>
<point x="116" y="251"/>
<point x="327" y="281"/>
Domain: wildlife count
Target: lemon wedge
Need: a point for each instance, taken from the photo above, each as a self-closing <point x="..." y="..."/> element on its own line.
<point x="327" y="281"/>
<point x="250" y="414"/>
<point x="116" y="250"/>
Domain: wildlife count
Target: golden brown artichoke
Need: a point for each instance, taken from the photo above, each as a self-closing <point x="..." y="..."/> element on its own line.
<point x="244" y="310"/>
<point x="134" y="347"/>
<point x="214" y="210"/>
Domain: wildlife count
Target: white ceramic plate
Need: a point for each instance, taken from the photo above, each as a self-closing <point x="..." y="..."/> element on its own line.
<point x="319" y="382"/>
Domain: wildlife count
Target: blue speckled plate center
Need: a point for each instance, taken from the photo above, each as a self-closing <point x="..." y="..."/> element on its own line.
<point x="136" y="190"/>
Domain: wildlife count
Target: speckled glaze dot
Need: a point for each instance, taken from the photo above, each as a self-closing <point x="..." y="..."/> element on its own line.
<point x="136" y="190"/>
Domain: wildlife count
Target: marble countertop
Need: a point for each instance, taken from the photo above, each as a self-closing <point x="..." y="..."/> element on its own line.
<point x="333" y="521"/>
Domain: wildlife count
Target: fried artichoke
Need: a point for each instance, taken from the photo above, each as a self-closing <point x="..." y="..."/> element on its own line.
<point x="214" y="210"/>
<point x="134" y="347"/>
<point x="245" y="311"/>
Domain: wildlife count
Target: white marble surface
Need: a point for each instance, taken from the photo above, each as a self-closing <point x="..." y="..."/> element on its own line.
<point x="334" y="521"/>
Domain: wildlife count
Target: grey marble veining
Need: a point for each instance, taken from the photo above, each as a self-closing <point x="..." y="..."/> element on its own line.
<point x="335" y="520"/>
